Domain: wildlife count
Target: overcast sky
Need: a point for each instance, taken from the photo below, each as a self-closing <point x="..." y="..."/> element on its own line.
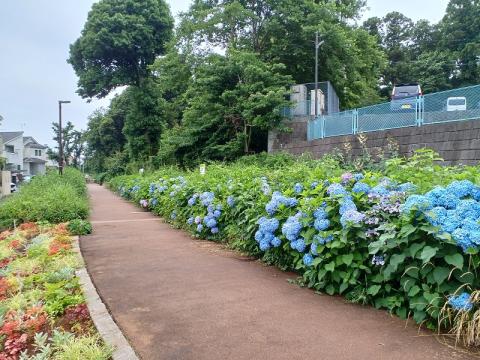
<point x="34" y="42"/>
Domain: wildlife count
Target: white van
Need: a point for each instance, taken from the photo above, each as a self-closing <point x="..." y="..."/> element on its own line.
<point x="457" y="103"/>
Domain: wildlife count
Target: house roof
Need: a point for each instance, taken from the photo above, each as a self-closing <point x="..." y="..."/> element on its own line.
<point x="34" y="160"/>
<point x="10" y="135"/>
<point x="32" y="143"/>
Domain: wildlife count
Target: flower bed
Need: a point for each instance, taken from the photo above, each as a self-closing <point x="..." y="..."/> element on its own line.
<point x="373" y="237"/>
<point x="43" y="312"/>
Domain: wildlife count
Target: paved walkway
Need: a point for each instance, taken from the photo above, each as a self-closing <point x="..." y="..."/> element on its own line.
<point x="178" y="298"/>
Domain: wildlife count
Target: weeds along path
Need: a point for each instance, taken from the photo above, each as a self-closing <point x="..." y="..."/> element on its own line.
<point x="179" y="298"/>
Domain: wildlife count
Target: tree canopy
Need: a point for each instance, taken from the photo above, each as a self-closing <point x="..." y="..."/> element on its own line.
<point x="118" y="43"/>
<point x="211" y="89"/>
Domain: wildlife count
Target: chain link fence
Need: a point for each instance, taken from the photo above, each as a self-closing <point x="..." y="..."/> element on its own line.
<point x="452" y="105"/>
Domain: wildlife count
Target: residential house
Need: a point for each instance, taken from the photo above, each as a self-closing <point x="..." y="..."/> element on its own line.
<point x="34" y="156"/>
<point x="23" y="154"/>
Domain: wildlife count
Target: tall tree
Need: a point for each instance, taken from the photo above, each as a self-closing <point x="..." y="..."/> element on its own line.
<point x="394" y="32"/>
<point x="232" y="100"/>
<point x="73" y="142"/>
<point x="460" y="35"/>
<point x="283" y="32"/>
<point x="121" y="38"/>
<point x="145" y="120"/>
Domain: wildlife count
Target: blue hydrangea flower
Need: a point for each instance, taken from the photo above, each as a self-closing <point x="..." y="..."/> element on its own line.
<point x="276" y="242"/>
<point x="190" y="220"/>
<point x="313" y="185"/>
<point x="437" y="216"/>
<point x="268" y="225"/>
<point x="277" y="200"/>
<point x="211" y="222"/>
<point x="476" y="193"/>
<point x="199" y="228"/>
<point x="173" y="215"/>
<point x="313" y="249"/>
<point x="320" y="213"/>
<point x="192" y="200"/>
<point x="336" y="189"/>
<point x="358" y="176"/>
<point x="323" y="240"/>
<point x="418" y="202"/>
<point x="231" y="201"/>
<point x="151" y="188"/>
<point x="291" y="228"/>
<point x="264" y="245"/>
<point x="347" y="204"/>
<point x="379" y="190"/>
<point x="470" y="224"/>
<point x="271" y="208"/>
<point x="462" y="238"/>
<point x="154" y="202"/>
<point x="300" y="245"/>
<point x="451" y="222"/>
<point x="268" y="237"/>
<point x="214" y="230"/>
<point x="475" y="237"/>
<point x="361" y="187"/>
<point x="307" y="259"/>
<point x="461" y="188"/>
<point x="468" y="208"/>
<point x="351" y="217"/>
<point x="217" y="213"/>
<point x="298" y="188"/>
<point x="461" y="302"/>
<point x="207" y="198"/>
<point x="258" y="236"/>
<point x="291" y="202"/>
<point x="321" y="224"/>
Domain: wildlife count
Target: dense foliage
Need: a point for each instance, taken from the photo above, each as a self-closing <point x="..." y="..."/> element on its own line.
<point x="42" y="308"/>
<point x="118" y="43"/>
<point x="51" y="198"/>
<point x="220" y="81"/>
<point x="405" y="243"/>
<point x="73" y="144"/>
<point x="439" y="56"/>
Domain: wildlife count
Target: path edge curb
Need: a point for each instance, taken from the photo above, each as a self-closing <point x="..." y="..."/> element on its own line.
<point x="106" y="326"/>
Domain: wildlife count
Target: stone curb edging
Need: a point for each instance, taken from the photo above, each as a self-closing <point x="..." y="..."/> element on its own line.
<point x="102" y="319"/>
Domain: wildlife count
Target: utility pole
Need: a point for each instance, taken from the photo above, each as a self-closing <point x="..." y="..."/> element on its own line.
<point x="318" y="43"/>
<point x="60" y="142"/>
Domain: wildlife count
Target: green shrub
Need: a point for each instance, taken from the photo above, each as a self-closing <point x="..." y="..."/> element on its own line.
<point x="51" y="198"/>
<point x="79" y="227"/>
<point x="397" y="260"/>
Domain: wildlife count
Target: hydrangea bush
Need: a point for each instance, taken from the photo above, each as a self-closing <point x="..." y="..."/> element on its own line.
<point x="380" y="238"/>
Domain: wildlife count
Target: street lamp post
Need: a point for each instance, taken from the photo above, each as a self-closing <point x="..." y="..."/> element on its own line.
<point x="60" y="142"/>
<point x="317" y="45"/>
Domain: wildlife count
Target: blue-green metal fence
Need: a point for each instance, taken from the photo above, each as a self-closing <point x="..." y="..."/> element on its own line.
<point x="452" y="105"/>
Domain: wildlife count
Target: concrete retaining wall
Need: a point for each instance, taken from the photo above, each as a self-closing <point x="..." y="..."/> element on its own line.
<point x="456" y="142"/>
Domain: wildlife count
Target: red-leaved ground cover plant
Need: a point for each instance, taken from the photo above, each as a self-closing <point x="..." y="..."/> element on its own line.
<point x="42" y="309"/>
